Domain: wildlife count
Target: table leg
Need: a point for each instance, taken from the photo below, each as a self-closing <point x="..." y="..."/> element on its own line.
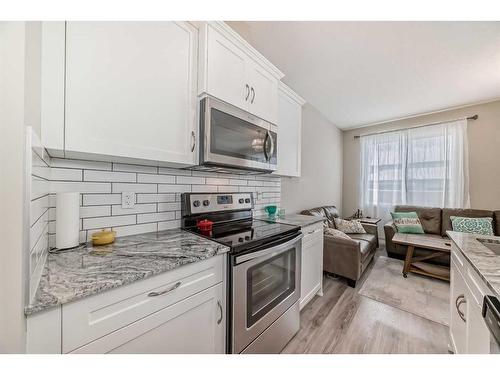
<point x="409" y="256"/>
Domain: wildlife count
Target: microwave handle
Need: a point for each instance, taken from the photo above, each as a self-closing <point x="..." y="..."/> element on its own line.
<point x="269" y="138"/>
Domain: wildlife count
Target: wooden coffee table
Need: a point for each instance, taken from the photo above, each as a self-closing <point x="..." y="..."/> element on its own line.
<point x="439" y="246"/>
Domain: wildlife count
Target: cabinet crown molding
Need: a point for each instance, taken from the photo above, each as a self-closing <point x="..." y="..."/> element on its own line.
<point x="292" y="94"/>
<point x="236" y="38"/>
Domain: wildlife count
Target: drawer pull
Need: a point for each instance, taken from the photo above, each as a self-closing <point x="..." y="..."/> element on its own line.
<point x="168" y="290"/>
<point x="459" y="301"/>
<point x="220" y="309"/>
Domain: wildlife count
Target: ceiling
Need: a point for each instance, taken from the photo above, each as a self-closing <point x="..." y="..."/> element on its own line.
<point x="359" y="73"/>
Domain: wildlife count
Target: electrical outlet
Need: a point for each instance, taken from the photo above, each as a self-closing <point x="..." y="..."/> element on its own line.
<point x="128" y="199"/>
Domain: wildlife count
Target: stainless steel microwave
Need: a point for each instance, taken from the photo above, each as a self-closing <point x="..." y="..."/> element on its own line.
<point x="233" y="139"/>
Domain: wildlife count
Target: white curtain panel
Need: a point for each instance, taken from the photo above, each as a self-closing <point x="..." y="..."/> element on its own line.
<point x="426" y="166"/>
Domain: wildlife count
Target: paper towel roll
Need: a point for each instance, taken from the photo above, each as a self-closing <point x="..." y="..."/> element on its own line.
<point x="67" y="220"/>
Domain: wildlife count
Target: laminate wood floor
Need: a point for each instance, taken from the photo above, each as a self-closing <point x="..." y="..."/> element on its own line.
<point x="343" y="321"/>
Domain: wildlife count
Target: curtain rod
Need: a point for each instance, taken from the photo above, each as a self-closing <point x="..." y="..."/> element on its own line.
<point x="475" y="117"/>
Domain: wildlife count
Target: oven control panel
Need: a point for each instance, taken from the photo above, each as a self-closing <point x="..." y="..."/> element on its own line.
<point x="196" y="203"/>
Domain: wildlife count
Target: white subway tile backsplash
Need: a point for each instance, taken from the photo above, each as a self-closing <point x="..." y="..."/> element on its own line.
<point x="39" y="187"/>
<point x="190" y="180"/>
<point x="38" y="207"/>
<point x="82" y="187"/>
<point x="158" y="194"/>
<point x="174" y="206"/>
<point x="164" y="225"/>
<point x="101" y="199"/>
<point x="204" y="189"/>
<point x="154" y="198"/>
<point x="137" y="209"/>
<point x="217" y="181"/>
<point x="174" y="188"/>
<point x="156" y="178"/>
<point x="65" y="174"/>
<point x="95" y="211"/>
<point x="109" y="221"/>
<point x="134" y="168"/>
<point x="160" y="216"/>
<point x="136" y="188"/>
<point x="106" y="176"/>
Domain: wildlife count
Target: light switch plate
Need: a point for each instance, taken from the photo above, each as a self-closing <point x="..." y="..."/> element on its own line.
<point x="128" y="199"/>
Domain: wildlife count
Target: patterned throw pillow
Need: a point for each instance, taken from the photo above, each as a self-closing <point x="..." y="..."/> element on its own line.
<point x="407" y="222"/>
<point x="349" y="226"/>
<point x="477" y="225"/>
<point x="336" y="233"/>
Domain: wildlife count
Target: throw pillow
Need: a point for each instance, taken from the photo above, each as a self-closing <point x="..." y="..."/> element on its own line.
<point x="407" y="222"/>
<point x="349" y="226"/>
<point x="477" y="225"/>
<point x="336" y="233"/>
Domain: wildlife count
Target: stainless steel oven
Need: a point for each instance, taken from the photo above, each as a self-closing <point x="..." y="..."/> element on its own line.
<point x="233" y="138"/>
<point x="265" y="296"/>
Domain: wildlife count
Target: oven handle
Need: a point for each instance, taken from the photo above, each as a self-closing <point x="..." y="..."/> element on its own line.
<point x="275" y="250"/>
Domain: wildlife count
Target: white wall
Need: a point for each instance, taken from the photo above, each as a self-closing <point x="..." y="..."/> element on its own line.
<point x="321" y="178"/>
<point x="12" y="144"/>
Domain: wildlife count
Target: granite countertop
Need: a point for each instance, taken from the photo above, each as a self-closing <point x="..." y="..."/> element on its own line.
<point x="74" y="274"/>
<point x="484" y="261"/>
<point x="294" y="219"/>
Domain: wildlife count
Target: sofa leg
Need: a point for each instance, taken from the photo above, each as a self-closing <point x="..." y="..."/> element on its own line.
<point x="351" y="283"/>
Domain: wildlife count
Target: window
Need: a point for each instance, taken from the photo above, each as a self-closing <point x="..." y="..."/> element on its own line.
<point x="425" y="166"/>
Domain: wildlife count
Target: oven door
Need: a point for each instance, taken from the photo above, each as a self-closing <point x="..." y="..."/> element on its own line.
<point x="234" y="138"/>
<point x="266" y="283"/>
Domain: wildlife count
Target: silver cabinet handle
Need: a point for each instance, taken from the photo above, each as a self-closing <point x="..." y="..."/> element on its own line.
<point x="253" y="95"/>
<point x="168" y="290"/>
<point x="220" y="309"/>
<point x="458" y="302"/>
<point x="248" y="91"/>
<point x="193" y="141"/>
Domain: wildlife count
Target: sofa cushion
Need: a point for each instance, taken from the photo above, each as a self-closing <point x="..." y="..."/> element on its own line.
<point x="496" y="223"/>
<point x="349" y="226"/>
<point x="430" y="217"/>
<point x="317" y="211"/>
<point x="477" y="225"/>
<point x="331" y="213"/>
<point x="365" y="248"/>
<point x="336" y="233"/>
<point x="366" y="237"/>
<point x="466" y="212"/>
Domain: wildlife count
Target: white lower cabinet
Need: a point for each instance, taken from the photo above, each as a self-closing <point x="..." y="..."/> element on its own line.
<point x="180" y="311"/>
<point x="311" y="278"/>
<point x="468" y="331"/>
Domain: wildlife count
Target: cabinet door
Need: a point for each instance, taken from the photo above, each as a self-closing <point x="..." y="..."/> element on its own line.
<point x="312" y="264"/>
<point x="458" y="310"/>
<point x="263" y="99"/>
<point x="226" y="79"/>
<point x="478" y="334"/>
<point x="131" y="90"/>
<point x="191" y="326"/>
<point x="289" y="135"/>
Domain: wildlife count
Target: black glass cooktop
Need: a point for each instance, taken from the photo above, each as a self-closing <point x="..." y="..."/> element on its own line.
<point x="245" y="234"/>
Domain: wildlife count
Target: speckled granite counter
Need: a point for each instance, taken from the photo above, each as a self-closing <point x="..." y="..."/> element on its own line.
<point x="484" y="261"/>
<point x="74" y="274"/>
<point x="295" y="219"/>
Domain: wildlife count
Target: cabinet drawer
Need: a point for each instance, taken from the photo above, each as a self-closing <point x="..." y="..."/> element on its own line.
<point x="312" y="233"/>
<point x="91" y="318"/>
<point x="459" y="258"/>
<point x="193" y="325"/>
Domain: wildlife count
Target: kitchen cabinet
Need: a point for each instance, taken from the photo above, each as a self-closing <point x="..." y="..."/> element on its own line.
<point x="129" y="90"/>
<point x="468" y="331"/>
<point x="311" y="277"/>
<point x="233" y="71"/>
<point x="180" y="311"/>
<point x="289" y="132"/>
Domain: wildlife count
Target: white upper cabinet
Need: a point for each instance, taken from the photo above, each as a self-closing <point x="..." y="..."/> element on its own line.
<point x="130" y="91"/>
<point x="289" y="131"/>
<point x="233" y="71"/>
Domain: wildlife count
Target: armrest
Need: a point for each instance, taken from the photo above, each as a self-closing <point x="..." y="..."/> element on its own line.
<point x="342" y="256"/>
<point x="389" y="231"/>
<point x="370" y="228"/>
